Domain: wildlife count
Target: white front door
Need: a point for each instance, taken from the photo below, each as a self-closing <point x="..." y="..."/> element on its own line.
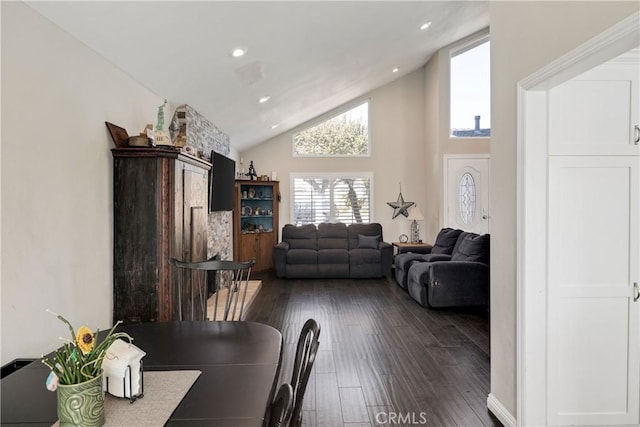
<point x="466" y="189"/>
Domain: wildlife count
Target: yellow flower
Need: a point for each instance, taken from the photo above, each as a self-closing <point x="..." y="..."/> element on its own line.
<point x="84" y="339"/>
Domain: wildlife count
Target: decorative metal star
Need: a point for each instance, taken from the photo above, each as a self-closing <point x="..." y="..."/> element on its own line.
<point x="400" y="206"/>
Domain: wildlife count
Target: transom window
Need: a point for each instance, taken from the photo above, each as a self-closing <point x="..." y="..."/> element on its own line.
<point x="470" y="74"/>
<point x="335" y="197"/>
<point x="346" y="134"/>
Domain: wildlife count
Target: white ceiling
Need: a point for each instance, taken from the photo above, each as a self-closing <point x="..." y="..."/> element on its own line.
<point x="309" y="57"/>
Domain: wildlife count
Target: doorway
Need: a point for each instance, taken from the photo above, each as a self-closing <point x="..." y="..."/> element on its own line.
<point x="466" y="189"/>
<point x="578" y="316"/>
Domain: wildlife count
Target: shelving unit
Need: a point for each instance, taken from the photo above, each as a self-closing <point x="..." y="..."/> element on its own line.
<point x="255" y="222"/>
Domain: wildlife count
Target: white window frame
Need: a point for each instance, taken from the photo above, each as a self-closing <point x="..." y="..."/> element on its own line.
<point x="329" y="116"/>
<point x="457" y="49"/>
<point x="330" y="175"/>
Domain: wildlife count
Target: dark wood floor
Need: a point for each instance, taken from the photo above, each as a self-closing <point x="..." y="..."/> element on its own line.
<point x="383" y="359"/>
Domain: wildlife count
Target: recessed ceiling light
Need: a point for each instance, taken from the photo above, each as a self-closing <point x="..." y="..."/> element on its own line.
<point x="395" y="70"/>
<point x="425" y="25"/>
<point x="238" y="52"/>
<point x="274" y="126"/>
<point x="264" y="99"/>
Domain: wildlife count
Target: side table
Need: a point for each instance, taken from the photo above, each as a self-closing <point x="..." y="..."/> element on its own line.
<point x="420" y="248"/>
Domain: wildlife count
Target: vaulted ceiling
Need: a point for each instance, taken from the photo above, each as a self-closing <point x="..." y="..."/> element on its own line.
<point x="307" y="57"/>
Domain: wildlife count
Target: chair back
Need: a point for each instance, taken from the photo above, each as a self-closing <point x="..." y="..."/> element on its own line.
<point x="231" y="288"/>
<point x="305" y="356"/>
<point x="281" y="407"/>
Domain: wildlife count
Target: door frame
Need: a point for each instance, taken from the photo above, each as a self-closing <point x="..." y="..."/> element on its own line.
<point x="532" y="179"/>
<point x="445" y="179"/>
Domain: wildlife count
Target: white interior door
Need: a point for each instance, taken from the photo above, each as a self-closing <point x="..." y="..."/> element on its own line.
<point x="578" y="236"/>
<point x="466" y="189"/>
<point x="593" y="237"/>
<point x="593" y="373"/>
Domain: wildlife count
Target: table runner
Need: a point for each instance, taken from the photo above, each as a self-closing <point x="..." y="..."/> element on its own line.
<point x="163" y="392"/>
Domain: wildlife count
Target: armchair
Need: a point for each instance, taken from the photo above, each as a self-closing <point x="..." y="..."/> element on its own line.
<point x="441" y="251"/>
<point x="461" y="281"/>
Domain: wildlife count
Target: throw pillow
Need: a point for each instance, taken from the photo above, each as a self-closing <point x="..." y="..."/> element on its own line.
<point x="473" y="248"/>
<point x="445" y="241"/>
<point x="368" y="242"/>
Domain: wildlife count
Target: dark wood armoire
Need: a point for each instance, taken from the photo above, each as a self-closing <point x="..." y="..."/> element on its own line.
<point x="160" y="212"/>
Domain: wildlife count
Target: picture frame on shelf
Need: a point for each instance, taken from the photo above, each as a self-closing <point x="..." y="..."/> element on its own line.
<point x="118" y="134"/>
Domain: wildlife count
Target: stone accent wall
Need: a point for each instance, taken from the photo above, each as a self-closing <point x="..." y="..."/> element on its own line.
<point x="204" y="137"/>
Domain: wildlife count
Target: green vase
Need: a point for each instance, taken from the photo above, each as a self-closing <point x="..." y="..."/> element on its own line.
<point x="81" y="404"/>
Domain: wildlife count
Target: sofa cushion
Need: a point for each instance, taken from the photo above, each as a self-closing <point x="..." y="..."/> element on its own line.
<point x="445" y="241"/>
<point x="365" y="263"/>
<point x="300" y="237"/>
<point x="332" y="236"/>
<point x="364" y="256"/>
<point x="333" y="263"/>
<point x="368" y="242"/>
<point x="302" y="256"/>
<point x="473" y="248"/>
<point x="333" y="256"/>
<point x="353" y="230"/>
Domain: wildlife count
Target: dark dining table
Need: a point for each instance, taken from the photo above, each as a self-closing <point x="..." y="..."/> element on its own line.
<point x="239" y="361"/>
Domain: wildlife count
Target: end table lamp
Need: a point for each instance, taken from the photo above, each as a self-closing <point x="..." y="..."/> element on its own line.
<point x="415" y="215"/>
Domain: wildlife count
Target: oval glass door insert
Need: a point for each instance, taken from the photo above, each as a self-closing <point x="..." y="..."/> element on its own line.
<point x="467" y="198"/>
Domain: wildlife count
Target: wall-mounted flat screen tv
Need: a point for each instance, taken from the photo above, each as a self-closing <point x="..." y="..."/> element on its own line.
<point x="221" y="183"/>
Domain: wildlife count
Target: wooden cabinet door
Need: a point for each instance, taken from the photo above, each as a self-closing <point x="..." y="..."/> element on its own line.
<point x="265" y="251"/>
<point x="194" y="240"/>
<point x="246" y="247"/>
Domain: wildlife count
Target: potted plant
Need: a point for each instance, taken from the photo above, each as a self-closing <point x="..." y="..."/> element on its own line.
<point x="76" y="375"/>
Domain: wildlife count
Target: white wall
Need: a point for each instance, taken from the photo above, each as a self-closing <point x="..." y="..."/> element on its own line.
<point x="398" y="154"/>
<point x="525" y="36"/>
<point x="57" y="179"/>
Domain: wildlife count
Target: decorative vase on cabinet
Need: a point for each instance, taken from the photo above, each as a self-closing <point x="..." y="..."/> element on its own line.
<point x="255" y="222"/>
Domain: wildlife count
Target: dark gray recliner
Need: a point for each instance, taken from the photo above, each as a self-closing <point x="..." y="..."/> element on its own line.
<point x="461" y="281"/>
<point x="441" y="251"/>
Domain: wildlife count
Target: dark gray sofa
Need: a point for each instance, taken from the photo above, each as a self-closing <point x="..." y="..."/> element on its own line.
<point x="332" y="250"/>
<point x="443" y="280"/>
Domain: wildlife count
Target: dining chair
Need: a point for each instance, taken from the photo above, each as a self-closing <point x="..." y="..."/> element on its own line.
<point x="234" y="280"/>
<point x="305" y="356"/>
<point x="281" y="407"/>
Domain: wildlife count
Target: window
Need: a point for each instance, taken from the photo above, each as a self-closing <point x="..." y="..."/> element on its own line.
<point x="336" y="197"/>
<point x="471" y="90"/>
<point x="344" y="135"/>
<point x="467" y="198"/>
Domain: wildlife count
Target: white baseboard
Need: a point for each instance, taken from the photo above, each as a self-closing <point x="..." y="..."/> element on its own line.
<point x="500" y="411"/>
